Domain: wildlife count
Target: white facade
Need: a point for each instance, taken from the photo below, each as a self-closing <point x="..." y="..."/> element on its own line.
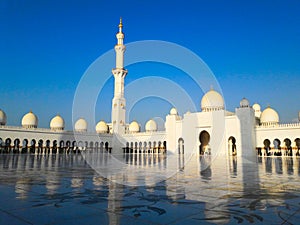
<point x="245" y="132"/>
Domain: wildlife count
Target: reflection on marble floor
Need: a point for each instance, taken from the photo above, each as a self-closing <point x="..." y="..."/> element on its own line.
<point x="61" y="189"/>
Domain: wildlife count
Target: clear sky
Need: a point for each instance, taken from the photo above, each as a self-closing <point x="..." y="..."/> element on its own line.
<point x="252" y="47"/>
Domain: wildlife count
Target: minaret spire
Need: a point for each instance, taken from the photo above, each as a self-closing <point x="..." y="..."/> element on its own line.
<point x="119" y="102"/>
<point x="120" y="25"/>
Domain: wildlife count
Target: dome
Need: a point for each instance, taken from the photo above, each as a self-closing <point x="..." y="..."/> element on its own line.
<point x="244" y="103"/>
<point x="212" y="101"/>
<point x="57" y="123"/>
<point x="269" y="117"/>
<point x="2" y="117"/>
<point x="101" y="127"/>
<point x="173" y="111"/>
<point x="256" y="107"/>
<point x="134" y="127"/>
<point x="29" y="120"/>
<point x="151" y="126"/>
<point x="81" y="125"/>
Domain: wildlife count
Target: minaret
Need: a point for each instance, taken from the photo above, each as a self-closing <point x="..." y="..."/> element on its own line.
<point x="119" y="102"/>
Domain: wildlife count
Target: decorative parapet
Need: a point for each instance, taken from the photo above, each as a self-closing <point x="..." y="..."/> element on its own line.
<point x="146" y="133"/>
<point x="283" y="125"/>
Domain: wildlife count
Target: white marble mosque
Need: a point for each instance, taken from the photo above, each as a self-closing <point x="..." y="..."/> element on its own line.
<point x="248" y="130"/>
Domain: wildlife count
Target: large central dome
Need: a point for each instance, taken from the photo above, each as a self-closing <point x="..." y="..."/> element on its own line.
<point x="212" y="101"/>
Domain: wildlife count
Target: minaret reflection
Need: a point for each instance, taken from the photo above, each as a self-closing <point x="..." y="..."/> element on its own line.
<point x="115" y="195"/>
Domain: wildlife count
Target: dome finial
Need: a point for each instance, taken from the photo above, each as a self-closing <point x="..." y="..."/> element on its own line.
<point x="211" y="87"/>
<point x="120" y="25"/>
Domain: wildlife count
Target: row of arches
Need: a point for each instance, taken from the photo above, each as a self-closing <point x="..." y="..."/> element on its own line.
<point x="280" y="148"/>
<point x="146" y="147"/>
<point x="204" y="147"/>
<point x="40" y="146"/>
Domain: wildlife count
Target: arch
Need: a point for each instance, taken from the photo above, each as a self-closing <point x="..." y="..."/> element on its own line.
<point x="204" y="138"/>
<point x="154" y="147"/>
<point x="16" y="145"/>
<point x="32" y="146"/>
<point x="61" y="147"/>
<point x="232" y="145"/>
<point x="54" y="147"/>
<point x="40" y="146"/>
<point x="159" y="147"/>
<point x="288" y="146"/>
<point x="267" y="147"/>
<point x="180" y="146"/>
<point x="145" y="146"/>
<point x="106" y="146"/>
<point x="47" y="148"/>
<point x="7" y="145"/>
<point x="277" y="148"/>
<point x="24" y="146"/>
<point x="165" y="146"/>
<point x="68" y="146"/>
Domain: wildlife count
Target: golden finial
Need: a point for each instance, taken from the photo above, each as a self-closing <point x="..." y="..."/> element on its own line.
<point x="120" y="24"/>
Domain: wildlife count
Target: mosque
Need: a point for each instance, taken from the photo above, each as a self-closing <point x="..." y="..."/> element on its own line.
<point x="246" y="131"/>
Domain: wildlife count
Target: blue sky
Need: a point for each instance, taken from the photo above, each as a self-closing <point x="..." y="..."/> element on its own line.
<point x="252" y="47"/>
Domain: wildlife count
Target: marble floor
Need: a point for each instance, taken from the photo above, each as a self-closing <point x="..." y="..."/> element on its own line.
<point x="63" y="189"/>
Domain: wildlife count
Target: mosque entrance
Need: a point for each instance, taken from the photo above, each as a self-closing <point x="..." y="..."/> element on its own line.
<point x="204" y="147"/>
<point x="232" y="146"/>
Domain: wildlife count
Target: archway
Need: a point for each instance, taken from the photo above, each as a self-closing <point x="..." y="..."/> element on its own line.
<point x="288" y="145"/>
<point x="68" y="146"/>
<point x="54" y="147"/>
<point x="24" y="146"/>
<point x="165" y="146"/>
<point x="40" y="146"/>
<point x="47" y="148"/>
<point x="204" y="147"/>
<point x="16" y="145"/>
<point x="7" y="145"/>
<point x="180" y="146"/>
<point x="267" y="147"/>
<point x="32" y="146"/>
<point x="106" y="146"/>
<point x="277" y="148"/>
<point x="232" y="145"/>
<point x="61" y="147"/>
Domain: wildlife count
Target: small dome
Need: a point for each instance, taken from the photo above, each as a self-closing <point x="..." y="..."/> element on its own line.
<point x="244" y="103"/>
<point x="212" y="101"/>
<point x="2" y="118"/>
<point x="81" y="125"/>
<point x="173" y="111"/>
<point x="57" y="123"/>
<point x="269" y="117"/>
<point x="29" y="120"/>
<point x="151" y="126"/>
<point x="256" y="108"/>
<point x="134" y="127"/>
<point x="101" y="127"/>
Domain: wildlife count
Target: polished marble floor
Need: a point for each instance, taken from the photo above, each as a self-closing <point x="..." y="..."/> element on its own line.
<point x="63" y="189"/>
